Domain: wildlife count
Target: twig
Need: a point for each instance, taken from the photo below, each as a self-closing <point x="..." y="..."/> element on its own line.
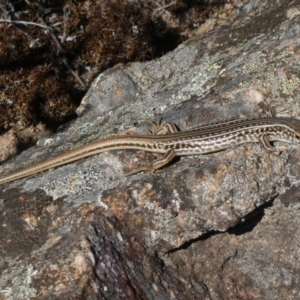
<point x="24" y="23"/>
<point x="66" y="16"/>
<point x="161" y="9"/>
<point x="63" y="58"/>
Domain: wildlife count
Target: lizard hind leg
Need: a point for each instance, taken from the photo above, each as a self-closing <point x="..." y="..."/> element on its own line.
<point x="264" y="141"/>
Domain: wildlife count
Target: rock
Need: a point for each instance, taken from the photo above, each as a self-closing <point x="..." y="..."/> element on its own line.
<point x="217" y="226"/>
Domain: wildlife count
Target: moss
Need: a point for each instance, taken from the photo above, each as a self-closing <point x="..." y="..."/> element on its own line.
<point x="35" y="80"/>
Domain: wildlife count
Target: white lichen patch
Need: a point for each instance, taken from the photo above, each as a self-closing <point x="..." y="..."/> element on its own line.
<point x="80" y="183"/>
<point x="20" y="286"/>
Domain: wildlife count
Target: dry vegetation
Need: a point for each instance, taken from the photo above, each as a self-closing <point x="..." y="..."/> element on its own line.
<point x="50" y="51"/>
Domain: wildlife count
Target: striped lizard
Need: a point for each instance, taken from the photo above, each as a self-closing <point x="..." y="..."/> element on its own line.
<point x="165" y="138"/>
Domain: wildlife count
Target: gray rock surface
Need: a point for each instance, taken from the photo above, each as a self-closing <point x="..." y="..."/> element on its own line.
<point x="218" y="226"/>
